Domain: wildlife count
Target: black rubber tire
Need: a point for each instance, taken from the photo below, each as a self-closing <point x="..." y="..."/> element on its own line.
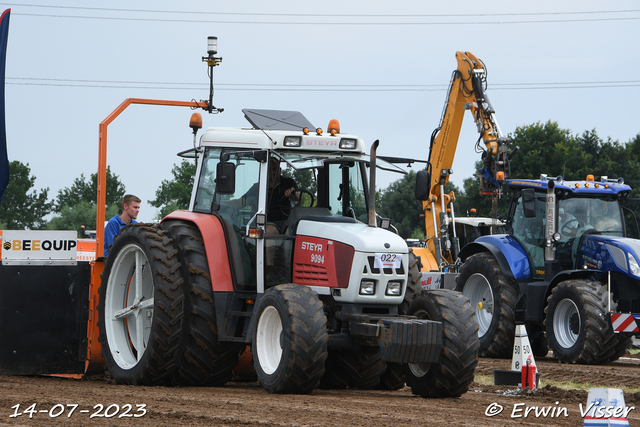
<point x="205" y="361"/>
<point x="303" y="339"/>
<point x="499" y="334"/>
<point x="359" y="369"/>
<point x="454" y="372"/>
<point x="414" y="282"/>
<point x="158" y="363"/>
<point x="614" y="348"/>
<point x="589" y="323"/>
<point x="393" y="377"/>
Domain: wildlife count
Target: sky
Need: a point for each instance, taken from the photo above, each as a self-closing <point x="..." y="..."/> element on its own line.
<point x="381" y="68"/>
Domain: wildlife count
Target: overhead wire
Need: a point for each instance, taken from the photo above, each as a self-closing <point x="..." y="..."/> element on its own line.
<point x="86" y="83"/>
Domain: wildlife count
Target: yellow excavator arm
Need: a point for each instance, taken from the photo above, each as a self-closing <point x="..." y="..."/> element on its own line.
<point x="466" y="92"/>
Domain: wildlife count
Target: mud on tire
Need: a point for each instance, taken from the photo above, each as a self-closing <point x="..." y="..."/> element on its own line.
<point x="455" y="369"/>
<point x="141" y="307"/>
<point x="205" y="361"/>
<point x="482" y="281"/>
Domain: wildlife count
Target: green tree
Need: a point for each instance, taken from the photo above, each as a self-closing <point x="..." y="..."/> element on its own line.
<point x="87" y="190"/>
<point x="398" y="203"/>
<point x="20" y="209"/>
<point x="175" y="194"/>
<point x="80" y="217"/>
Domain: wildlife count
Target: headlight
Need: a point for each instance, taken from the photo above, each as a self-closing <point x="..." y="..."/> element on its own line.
<point x="633" y="264"/>
<point x="394" y="288"/>
<point x="292" y="141"/>
<point x="347" y="143"/>
<point x="367" y="287"/>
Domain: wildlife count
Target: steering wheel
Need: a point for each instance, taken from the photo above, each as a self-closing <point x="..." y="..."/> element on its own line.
<point x="570" y="231"/>
<point x="285" y="205"/>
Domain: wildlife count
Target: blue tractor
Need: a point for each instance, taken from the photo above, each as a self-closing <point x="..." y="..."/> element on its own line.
<point x="568" y="268"/>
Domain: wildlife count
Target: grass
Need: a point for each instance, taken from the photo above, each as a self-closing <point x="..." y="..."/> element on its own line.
<point x="566" y="385"/>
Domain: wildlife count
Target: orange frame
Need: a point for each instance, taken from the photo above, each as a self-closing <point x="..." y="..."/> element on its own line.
<point x="94" y="351"/>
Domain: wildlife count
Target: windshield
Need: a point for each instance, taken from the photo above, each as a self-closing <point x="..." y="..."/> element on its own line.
<point x="576" y="215"/>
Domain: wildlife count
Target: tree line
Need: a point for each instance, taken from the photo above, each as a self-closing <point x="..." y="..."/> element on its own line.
<point x="543" y="148"/>
<point x="74" y="207"/>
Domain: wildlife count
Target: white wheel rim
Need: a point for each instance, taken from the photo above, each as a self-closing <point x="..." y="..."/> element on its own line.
<point x="478" y="290"/>
<point x="566" y="320"/>
<point x="268" y="340"/>
<point x="129" y="306"/>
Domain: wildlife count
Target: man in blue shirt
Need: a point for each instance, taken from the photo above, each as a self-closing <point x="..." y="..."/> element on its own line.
<point x="130" y="210"/>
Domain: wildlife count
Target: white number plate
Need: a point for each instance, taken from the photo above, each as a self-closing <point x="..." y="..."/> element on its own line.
<point x="388" y="261"/>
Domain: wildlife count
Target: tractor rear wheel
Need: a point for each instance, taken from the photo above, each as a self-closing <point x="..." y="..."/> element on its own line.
<point x="454" y="371"/>
<point x="205" y="361"/>
<point x="353" y="369"/>
<point x="414" y="282"/>
<point x="141" y="307"/>
<point x="493" y="297"/>
<point x="393" y="377"/>
<point x="289" y="339"/>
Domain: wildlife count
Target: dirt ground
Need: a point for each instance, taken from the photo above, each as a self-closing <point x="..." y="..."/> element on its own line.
<point x="247" y="404"/>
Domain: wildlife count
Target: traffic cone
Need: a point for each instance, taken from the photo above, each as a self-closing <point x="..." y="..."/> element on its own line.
<point x="523" y="365"/>
<point x="605" y="407"/>
<point x="522" y="353"/>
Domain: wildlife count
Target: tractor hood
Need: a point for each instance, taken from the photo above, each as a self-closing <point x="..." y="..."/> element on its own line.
<point x="609" y="253"/>
<point x="360" y="236"/>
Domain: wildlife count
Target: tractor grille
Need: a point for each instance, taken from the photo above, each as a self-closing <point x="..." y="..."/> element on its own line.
<point x="388" y="271"/>
<point x="311" y="275"/>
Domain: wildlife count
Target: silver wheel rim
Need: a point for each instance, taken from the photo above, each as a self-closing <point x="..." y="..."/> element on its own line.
<point x="566" y="319"/>
<point x="479" y="291"/>
<point x="268" y="340"/>
<point x="129" y="306"/>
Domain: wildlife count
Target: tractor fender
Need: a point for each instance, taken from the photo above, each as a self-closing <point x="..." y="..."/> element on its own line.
<point x="511" y="257"/>
<point x="214" y="243"/>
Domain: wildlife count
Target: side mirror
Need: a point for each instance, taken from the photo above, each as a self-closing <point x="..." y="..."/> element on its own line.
<point x="423" y="185"/>
<point x="225" y="178"/>
<point x="529" y="202"/>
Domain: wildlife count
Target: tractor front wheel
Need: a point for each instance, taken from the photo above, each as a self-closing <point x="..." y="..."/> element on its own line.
<point x="289" y="340"/>
<point x="577" y="326"/>
<point x="454" y="371"/>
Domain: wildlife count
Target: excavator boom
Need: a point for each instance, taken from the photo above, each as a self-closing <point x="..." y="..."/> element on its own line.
<point x="466" y="92"/>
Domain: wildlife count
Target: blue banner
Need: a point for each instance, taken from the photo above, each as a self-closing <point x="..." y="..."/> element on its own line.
<point x="4" y="158"/>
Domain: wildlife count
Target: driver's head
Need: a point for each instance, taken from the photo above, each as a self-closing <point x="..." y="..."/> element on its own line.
<point x="274" y="171"/>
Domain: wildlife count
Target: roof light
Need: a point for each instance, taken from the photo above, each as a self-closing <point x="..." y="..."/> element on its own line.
<point x="212" y="45"/>
<point x="347" y="143"/>
<point x="305" y="131"/>
<point x="577" y="185"/>
<point x="597" y="185"/>
<point x="500" y="176"/>
<point x="292" y="141"/>
<point x="586" y="185"/>
<point x="319" y="131"/>
<point x="196" y="122"/>
<point x="334" y="127"/>
<point x="590" y="177"/>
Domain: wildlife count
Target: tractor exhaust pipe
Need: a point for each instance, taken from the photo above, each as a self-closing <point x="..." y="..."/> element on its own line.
<point x="372" y="184"/>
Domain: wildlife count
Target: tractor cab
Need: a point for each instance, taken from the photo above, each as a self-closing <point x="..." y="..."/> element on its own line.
<point x="279" y="181"/>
